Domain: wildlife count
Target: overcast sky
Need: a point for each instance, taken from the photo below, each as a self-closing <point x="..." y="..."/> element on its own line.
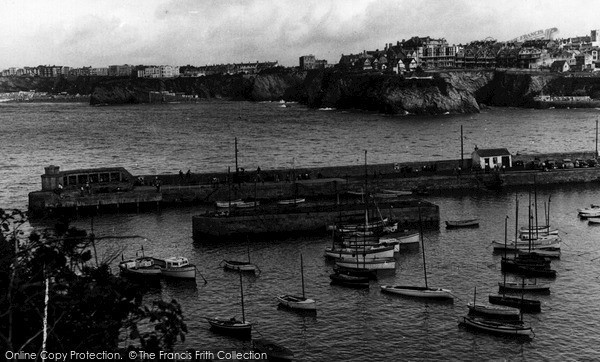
<point x="198" y="32"/>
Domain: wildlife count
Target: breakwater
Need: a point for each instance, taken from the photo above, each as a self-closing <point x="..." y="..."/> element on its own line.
<point x="324" y="183"/>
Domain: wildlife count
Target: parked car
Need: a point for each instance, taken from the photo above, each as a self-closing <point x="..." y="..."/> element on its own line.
<point x="567" y="163"/>
<point x="592" y="162"/>
<point x="580" y="163"/>
<point x="518" y="165"/>
<point x="550" y="164"/>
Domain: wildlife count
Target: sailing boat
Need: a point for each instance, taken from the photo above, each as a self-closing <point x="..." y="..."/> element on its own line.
<point x="525" y="305"/>
<point x="232" y="326"/>
<point x="491" y="311"/>
<point x="242" y="266"/>
<point x="416" y="291"/>
<point x="297" y="302"/>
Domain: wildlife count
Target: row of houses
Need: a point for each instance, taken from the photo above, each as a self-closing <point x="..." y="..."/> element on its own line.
<point x="580" y="53"/>
<point x="140" y="71"/>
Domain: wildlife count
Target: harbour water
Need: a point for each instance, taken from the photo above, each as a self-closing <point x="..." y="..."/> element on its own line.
<point x="350" y="325"/>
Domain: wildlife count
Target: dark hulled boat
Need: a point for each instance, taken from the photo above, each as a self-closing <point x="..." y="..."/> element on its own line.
<point x="525" y="305"/>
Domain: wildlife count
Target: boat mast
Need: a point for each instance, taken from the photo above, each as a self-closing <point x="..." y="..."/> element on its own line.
<point x="302" y="273"/>
<point x="535" y="202"/>
<point x="237" y="176"/>
<point x="516" y="222"/>
<point x="242" y="294"/>
<point x="422" y="245"/>
<point x="505" y="245"/>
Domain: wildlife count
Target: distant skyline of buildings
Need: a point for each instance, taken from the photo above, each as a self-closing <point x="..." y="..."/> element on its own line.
<point x="535" y="50"/>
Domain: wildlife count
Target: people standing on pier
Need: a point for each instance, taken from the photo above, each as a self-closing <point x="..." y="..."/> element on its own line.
<point x="157" y="184"/>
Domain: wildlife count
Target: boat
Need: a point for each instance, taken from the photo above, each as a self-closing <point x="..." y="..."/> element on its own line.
<point x="233" y="326"/>
<point x="242" y="266"/>
<point x="176" y="267"/>
<point x="247" y="204"/>
<point x="291" y="201"/>
<point x="541" y="288"/>
<point x="376" y="264"/>
<point x="298" y="302"/>
<point x="372" y="252"/>
<point x="593" y="220"/>
<point x="492" y="311"/>
<point x="552" y="234"/>
<point x="349" y="280"/>
<point x="592" y="209"/>
<point x="525" y="305"/>
<point x="140" y="267"/>
<point x="419" y="291"/>
<point x="497" y="327"/>
<point x="530" y="244"/>
<point x="226" y="204"/>
<point x="273" y="350"/>
<point x="454" y="224"/>
<point x="547" y="252"/>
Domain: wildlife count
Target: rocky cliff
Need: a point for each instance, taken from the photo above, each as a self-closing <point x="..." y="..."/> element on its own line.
<point x="432" y="93"/>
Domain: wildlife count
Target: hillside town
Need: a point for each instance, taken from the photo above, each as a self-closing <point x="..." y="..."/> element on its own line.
<point x="537" y="51"/>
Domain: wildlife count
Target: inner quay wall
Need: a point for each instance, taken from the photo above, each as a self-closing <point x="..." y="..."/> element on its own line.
<point x="316" y="183"/>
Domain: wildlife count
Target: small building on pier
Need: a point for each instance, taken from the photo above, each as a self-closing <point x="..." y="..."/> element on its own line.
<point x="491" y="158"/>
<point x="109" y="177"/>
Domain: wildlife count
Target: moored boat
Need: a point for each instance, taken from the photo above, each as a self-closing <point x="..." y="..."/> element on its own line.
<point x="454" y="224"/>
<point x="291" y="201"/>
<point x="525" y="305"/>
<point x="298" y="302"/>
<point x="140" y="267"/>
<point x="376" y="264"/>
<point x="497" y="327"/>
<point x="243" y="266"/>
<point x="372" y="252"/>
<point x="541" y="288"/>
<point x="176" y="267"/>
<point x="233" y="326"/>
<point x="419" y="292"/>
<point x="232" y="203"/>
<point x="492" y="311"/>
<point x="349" y="280"/>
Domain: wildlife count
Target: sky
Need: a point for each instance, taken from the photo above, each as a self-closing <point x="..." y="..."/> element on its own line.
<point x="99" y="33"/>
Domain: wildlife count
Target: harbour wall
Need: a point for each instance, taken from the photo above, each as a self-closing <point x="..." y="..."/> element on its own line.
<point x="314" y="183"/>
<point x="309" y="219"/>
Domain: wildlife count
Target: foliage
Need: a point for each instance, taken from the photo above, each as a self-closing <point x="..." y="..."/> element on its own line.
<point x="88" y="305"/>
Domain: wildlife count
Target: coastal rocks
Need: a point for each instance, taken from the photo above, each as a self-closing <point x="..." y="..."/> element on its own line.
<point x="442" y="93"/>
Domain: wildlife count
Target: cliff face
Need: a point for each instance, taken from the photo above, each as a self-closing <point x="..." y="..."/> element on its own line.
<point x="454" y="92"/>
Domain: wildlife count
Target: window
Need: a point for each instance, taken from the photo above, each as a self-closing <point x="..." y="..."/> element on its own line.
<point x="115" y="177"/>
<point x="72" y="180"/>
<point x="104" y="177"/>
<point x="94" y="177"/>
<point x="82" y="179"/>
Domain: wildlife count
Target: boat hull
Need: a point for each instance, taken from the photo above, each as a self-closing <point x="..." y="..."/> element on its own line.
<point x="494" y="311"/>
<point x="188" y="272"/>
<point x="295" y="302"/>
<point x="231" y="327"/>
<point x="419" y="292"/>
<point x="239" y="266"/>
<point x="349" y="280"/>
<point x="379" y="264"/>
<point x="523" y="288"/>
<point x="462" y="224"/>
<point x="516" y="330"/>
<point x="525" y="305"/>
